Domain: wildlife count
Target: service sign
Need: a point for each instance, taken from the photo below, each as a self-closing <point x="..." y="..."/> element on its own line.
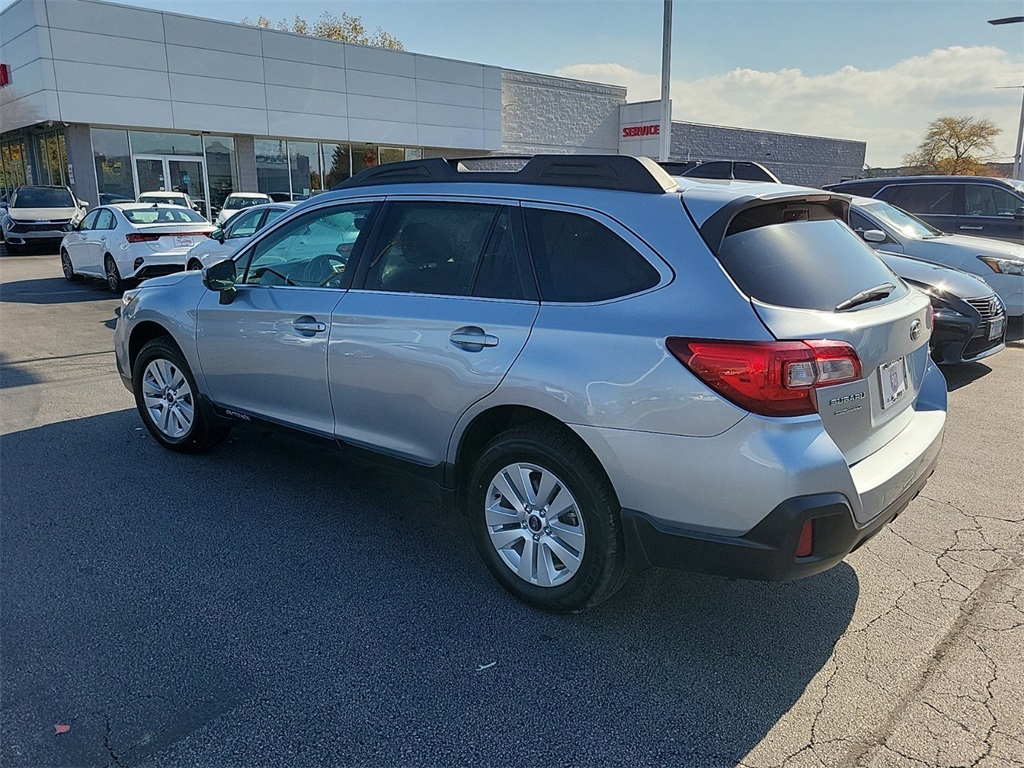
<point x="641" y="131"/>
<point x="5" y="75"/>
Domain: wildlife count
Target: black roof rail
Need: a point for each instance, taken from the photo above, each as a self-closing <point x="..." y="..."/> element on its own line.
<point x="618" y="172"/>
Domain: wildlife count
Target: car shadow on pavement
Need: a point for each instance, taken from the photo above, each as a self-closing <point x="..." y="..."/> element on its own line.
<point x="13" y="374"/>
<point x="272" y="598"/>
<point x="961" y="375"/>
<point x="54" y="290"/>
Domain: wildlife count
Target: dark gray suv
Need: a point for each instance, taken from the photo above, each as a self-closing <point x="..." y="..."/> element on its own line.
<point x="603" y="368"/>
<point x="968" y="205"/>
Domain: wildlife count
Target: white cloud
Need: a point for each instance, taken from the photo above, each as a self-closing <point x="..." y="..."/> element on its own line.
<point x="888" y="108"/>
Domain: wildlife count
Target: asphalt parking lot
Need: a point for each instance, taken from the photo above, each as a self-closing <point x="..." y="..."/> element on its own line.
<point x="272" y="604"/>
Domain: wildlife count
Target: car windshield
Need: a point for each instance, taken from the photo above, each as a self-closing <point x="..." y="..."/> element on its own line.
<point x="41" y="197"/>
<point x="905" y="223"/>
<point x="162" y="216"/>
<point x="238" y="203"/>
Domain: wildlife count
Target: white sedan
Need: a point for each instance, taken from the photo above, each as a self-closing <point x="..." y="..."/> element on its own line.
<point x="225" y="242"/>
<point x="239" y="201"/>
<point x="131" y="241"/>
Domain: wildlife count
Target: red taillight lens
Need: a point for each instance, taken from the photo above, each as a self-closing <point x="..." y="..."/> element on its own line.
<point x="773" y="378"/>
<point x="138" y="237"/>
<point x="805" y="546"/>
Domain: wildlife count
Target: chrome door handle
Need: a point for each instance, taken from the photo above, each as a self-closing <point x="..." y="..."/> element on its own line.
<point x="309" y="325"/>
<point x="973" y="229"/>
<point x="472" y="338"/>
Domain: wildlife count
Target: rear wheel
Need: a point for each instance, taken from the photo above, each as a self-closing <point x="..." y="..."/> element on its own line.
<point x="545" y="519"/>
<point x="68" y="267"/>
<point x="168" y="400"/>
<point x="114" y="281"/>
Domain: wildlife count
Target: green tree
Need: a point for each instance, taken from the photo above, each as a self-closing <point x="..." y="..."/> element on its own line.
<point x="347" y="29"/>
<point x="955" y="145"/>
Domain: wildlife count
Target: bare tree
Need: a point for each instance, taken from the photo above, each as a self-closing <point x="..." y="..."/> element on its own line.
<point x="955" y="145"/>
<point x="347" y="29"/>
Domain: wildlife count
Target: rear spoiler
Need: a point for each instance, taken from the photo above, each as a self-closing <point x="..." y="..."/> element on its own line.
<point x="714" y="230"/>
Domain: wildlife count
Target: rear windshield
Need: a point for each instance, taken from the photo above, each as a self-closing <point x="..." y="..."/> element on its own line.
<point x="168" y="199"/>
<point x="801" y="256"/>
<point x="42" y="198"/>
<point x="162" y="216"/>
<point x="238" y="203"/>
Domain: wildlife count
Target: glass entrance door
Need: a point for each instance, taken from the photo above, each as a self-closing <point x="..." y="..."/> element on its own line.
<point x="172" y="174"/>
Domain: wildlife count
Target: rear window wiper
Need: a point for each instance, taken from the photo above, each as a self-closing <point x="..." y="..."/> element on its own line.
<point x="871" y="294"/>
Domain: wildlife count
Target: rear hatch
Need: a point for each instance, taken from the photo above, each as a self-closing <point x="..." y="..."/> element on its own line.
<point x="809" y="277"/>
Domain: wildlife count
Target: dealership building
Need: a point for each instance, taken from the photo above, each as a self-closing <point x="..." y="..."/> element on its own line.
<point x="114" y="100"/>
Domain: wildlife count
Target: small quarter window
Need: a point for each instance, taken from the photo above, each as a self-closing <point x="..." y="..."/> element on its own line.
<point x="579" y="259"/>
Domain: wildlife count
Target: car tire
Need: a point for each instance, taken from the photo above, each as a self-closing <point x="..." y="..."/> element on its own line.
<point x="68" y="267"/>
<point x="194" y="266"/>
<point x="563" y="564"/>
<point x="169" y="401"/>
<point x="113" y="275"/>
<point x="14" y="250"/>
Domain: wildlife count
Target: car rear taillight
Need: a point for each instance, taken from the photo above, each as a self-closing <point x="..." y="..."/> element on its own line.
<point x="771" y="378"/>
<point x="138" y="237"/>
<point x="805" y="546"/>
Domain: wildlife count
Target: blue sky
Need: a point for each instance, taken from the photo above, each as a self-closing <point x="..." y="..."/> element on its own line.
<point x="860" y="69"/>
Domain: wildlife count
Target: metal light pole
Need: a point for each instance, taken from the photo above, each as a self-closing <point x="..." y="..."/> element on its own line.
<point x="665" y="130"/>
<point x="1019" y="149"/>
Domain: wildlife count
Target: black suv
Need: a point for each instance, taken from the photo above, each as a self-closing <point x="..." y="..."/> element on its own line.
<point x="969" y="205"/>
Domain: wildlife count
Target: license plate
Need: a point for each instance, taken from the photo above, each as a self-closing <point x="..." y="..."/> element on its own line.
<point x="894" y="381"/>
<point x="182" y="241"/>
<point x="995" y="328"/>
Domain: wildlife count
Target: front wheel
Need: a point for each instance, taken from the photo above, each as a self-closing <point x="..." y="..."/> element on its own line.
<point x="168" y="400"/>
<point x="545" y="519"/>
<point x="194" y="266"/>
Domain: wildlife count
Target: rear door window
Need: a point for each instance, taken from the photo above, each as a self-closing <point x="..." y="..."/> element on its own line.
<point x="578" y="259"/>
<point x="929" y="199"/>
<point x="799" y="255"/>
<point x="985" y="200"/>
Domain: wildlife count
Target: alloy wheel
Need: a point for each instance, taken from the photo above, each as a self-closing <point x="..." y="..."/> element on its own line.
<point x="535" y="524"/>
<point x="168" y="398"/>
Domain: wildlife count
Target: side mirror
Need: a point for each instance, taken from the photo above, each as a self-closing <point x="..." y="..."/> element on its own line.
<point x="84" y="203"/>
<point x="221" y="277"/>
<point x="1019" y="213"/>
<point x="218" y="235"/>
<point x="873" y="236"/>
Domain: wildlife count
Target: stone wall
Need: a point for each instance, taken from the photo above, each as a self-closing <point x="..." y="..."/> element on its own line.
<point x="806" y="160"/>
<point x="541" y="113"/>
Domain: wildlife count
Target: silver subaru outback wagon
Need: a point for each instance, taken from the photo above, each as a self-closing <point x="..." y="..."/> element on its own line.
<point x="605" y="368"/>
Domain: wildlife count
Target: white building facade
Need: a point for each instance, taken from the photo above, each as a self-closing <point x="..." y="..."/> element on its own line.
<point x="114" y="101"/>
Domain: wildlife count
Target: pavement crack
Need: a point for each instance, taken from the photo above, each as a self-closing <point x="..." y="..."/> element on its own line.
<point x="114" y="760"/>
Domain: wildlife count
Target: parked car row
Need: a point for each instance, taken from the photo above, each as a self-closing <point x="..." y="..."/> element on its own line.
<point x="577" y="353"/>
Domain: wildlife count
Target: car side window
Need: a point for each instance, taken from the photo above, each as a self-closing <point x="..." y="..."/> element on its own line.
<point x="311" y="251"/>
<point x="431" y="248"/>
<point x="579" y="259"/>
<point x="500" y="274"/>
<point x="244" y="225"/>
<point x="105" y="220"/>
<point x="272" y="215"/>
<point x="920" y="198"/>
<point x="985" y="200"/>
<point x="89" y="222"/>
<point x="859" y="223"/>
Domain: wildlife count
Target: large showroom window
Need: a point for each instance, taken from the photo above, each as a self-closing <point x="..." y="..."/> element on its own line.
<point x="12" y="167"/>
<point x="51" y="154"/>
<point x="272" y="175"/>
<point x="304" y="162"/>
<point x="338" y="162"/>
<point x="221" y="168"/>
<point x="113" y="164"/>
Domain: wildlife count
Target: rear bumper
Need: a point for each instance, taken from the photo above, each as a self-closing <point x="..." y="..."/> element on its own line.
<point x="152" y="264"/>
<point x="768" y="551"/>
